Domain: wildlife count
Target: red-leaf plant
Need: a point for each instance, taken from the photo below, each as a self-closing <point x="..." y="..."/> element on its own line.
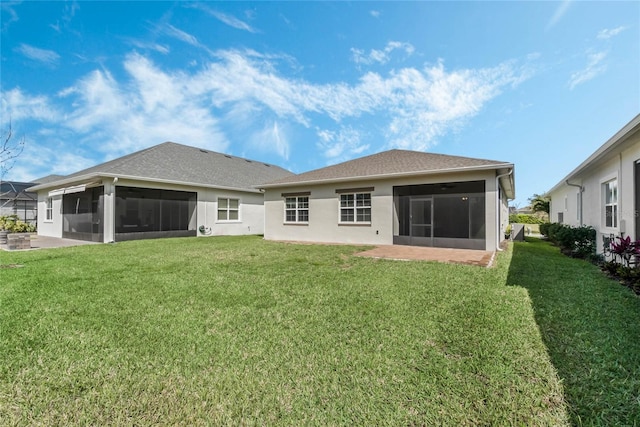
<point x="625" y="249"/>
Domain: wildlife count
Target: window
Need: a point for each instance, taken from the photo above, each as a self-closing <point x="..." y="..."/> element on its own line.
<point x="228" y="209"/>
<point x="355" y="207"/>
<point x="611" y="203"/>
<point x="560" y="217"/>
<point x="296" y="209"/>
<point x="49" y="210"/>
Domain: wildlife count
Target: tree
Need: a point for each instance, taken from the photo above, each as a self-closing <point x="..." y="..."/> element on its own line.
<point x="540" y="203"/>
<point x="9" y="151"/>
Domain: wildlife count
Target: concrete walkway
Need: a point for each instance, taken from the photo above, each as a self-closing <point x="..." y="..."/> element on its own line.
<point x="45" y="242"/>
<point x="420" y="253"/>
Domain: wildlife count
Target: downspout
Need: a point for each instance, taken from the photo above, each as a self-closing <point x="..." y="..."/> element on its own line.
<point x="581" y="189"/>
<point x="498" y="208"/>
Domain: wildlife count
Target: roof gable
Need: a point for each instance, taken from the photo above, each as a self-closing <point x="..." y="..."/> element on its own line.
<point x="388" y="163"/>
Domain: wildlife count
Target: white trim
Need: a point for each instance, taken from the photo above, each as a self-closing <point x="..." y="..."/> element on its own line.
<point x="228" y="221"/>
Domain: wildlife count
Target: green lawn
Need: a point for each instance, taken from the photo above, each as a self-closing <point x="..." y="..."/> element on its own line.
<point x="236" y="330"/>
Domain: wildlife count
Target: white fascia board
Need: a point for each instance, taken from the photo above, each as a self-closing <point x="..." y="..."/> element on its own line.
<point x="388" y="176"/>
<point x="94" y="176"/>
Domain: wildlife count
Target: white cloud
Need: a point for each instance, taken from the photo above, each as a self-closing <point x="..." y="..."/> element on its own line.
<point x="560" y="11"/>
<point x="18" y="106"/>
<point x="161" y="48"/>
<point x="271" y="138"/>
<point x="375" y="13"/>
<point x="380" y="56"/>
<point x="176" y="33"/>
<point x="7" y="10"/>
<point x="342" y="144"/>
<point x="229" y="20"/>
<point x="245" y="95"/>
<point x="608" y="33"/>
<point x="594" y="68"/>
<point x="42" y="55"/>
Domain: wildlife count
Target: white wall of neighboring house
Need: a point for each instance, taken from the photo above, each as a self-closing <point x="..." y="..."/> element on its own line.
<point x="619" y="164"/>
<point x="324" y="226"/>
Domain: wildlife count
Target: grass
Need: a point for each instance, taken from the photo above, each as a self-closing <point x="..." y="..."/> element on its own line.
<point x="591" y="327"/>
<point x="237" y="330"/>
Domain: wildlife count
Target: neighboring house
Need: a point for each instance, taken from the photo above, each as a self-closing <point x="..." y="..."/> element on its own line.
<point x="16" y="200"/>
<point x="604" y="190"/>
<point x="394" y="197"/>
<point x="164" y="191"/>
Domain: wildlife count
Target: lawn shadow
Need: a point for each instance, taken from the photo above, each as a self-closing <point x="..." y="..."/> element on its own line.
<point x="591" y="328"/>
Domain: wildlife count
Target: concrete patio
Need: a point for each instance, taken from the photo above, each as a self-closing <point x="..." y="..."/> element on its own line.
<point x="45" y="242"/>
<point x="420" y="253"/>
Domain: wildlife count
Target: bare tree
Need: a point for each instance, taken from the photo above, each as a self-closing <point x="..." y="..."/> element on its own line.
<point x="9" y="151"/>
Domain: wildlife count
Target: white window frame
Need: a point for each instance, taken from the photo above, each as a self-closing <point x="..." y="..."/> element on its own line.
<point x="48" y="215"/>
<point x="226" y="208"/>
<point x="610" y="204"/>
<point x="359" y="207"/>
<point x="296" y="209"/>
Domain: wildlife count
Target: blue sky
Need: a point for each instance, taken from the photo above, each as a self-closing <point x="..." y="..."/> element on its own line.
<point x="308" y="84"/>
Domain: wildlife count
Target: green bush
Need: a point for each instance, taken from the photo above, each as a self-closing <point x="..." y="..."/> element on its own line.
<point x="14" y="225"/>
<point x="579" y="242"/>
<point x="525" y="219"/>
<point x="544" y="228"/>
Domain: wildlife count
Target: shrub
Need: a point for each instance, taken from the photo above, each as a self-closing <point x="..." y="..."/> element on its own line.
<point x="544" y="228"/>
<point x="14" y="225"/>
<point x="525" y="219"/>
<point x="579" y="242"/>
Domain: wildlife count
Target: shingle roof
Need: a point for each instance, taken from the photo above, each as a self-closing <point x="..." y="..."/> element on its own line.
<point x="386" y="163"/>
<point x="179" y="163"/>
<point x="48" y="178"/>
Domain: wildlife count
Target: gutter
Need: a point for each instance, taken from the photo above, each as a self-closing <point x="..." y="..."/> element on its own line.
<point x="580" y="193"/>
<point x="498" y="207"/>
<point x="383" y="176"/>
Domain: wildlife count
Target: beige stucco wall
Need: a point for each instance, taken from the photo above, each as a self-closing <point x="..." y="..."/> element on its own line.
<point x="619" y="165"/>
<point x="251" y="212"/>
<point x="323" y="223"/>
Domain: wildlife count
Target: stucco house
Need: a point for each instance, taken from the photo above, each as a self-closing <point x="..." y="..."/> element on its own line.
<point x="604" y="191"/>
<point x="394" y="197"/>
<point x="163" y="191"/>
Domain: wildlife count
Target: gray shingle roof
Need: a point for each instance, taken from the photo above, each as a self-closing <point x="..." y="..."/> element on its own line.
<point x="179" y="163"/>
<point x="386" y="163"/>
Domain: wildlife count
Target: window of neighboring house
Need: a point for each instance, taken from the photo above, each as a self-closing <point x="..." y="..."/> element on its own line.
<point x="611" y="203"/>
<point x="560" y="217"/>
<point x="228" y="209"/>
<point x="296" y="209"/>
<point x="49" y="210"/>
<point x="355" y="207"/>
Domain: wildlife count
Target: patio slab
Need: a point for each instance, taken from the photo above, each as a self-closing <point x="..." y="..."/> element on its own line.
<point x="420" y="253"/>
<point x="46" y="242"/>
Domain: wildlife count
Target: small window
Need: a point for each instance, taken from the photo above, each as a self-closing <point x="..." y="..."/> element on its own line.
<point x="49" y="210"/>
<point x="355" y="207"/>
<point x="228" y="209"/>
<point x="296" y="209"/>
<point x="611" y="203"/>
<point x="560" y="217"/>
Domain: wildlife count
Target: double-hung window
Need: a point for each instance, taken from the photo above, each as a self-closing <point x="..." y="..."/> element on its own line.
<point x="611" y="203"/>
<point x="228" y="209"/>
<point x="49" y="209"/>
<point x="296" y="209"/>
<point x="355" y="207"/>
